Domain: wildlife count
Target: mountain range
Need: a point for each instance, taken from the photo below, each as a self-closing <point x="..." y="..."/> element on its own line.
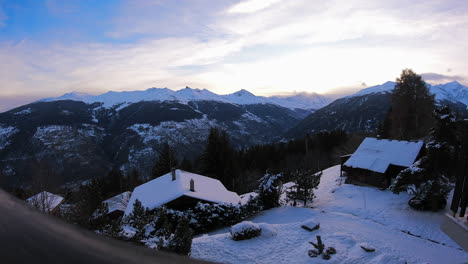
<point x="81" y="136"/>
<point x="365" y="110"/>
<point x="306" y="101"/>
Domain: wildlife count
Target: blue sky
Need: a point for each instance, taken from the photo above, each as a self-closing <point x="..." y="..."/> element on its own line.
<point x="51" y="47"/>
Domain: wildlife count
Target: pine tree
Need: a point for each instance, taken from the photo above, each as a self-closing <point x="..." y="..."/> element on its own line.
<point x="269" y="190"/>
<point x="384" y="130"/>
<point x="217" y="159"/>
<point x="304" y="184"/>
<point x="87" y="200"/>
<point x="133" y="180"/>
<point x="412" y="107"/>
<point x="99" y="218"/>
<point x="444" y="142"/>
<point x="138" y="217"/>
<point x="429" y="177"/>
<point x="115" y="229"/>
<point x="166" y="161"/>
<point x="181" y="242"/>
<point x="186" y="165"/>
<point x="114" y="183"/>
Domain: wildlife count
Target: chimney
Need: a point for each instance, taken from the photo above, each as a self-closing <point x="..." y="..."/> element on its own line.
<point x="173" y="173"/>
<point x="192" y="185"/>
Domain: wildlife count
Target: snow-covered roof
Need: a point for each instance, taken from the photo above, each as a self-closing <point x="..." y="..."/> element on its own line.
<point x="118" y="202"/>
<point x="377" y="154"/>
<point x="162" y="190"/>
<point x="45" y="201"/>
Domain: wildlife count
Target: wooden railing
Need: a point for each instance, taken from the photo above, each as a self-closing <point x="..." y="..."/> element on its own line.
<point x="460" y="195"/>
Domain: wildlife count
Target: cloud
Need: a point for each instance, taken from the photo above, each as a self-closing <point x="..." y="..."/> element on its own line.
<point x="442" y="78"/>
<point x="265" y="46"/>
<point x="150" y="19"/>
<point x="251" y="6"/>
<point x="35" y="69"/>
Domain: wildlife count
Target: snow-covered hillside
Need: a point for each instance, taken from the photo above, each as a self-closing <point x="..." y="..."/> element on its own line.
<point x="452" y="91"/>
<point x="349" y="216"/>
<point x="243" y="97"/>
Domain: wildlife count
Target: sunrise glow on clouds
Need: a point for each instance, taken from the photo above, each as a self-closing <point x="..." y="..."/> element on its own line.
<point x="51" y="47"/>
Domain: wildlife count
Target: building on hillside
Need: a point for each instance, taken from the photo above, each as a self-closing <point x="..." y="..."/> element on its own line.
<point x="179" y="189"/>
<point x="46" y="202"/>
<point x="377" y="161"/>
<point x="118" y="204"/>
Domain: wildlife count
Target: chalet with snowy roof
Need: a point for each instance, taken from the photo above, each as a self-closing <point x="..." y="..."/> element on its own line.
<point x="46" y="202"/>
<point x="117" y="204"/>
<point x="377" y="161"/>
<point x="180" y="189"/>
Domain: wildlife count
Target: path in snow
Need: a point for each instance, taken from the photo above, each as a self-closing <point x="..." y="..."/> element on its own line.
<point x="349" y="216"/>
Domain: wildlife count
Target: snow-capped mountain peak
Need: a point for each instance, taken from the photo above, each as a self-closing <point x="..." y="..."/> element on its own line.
<point x="75" y="96"/>
<point x="190" y="94"/>
<point x="382" y="88"/>
<point x="243" y="92"/>
<point x="452" y="91"/>
<point x="187" y="94"/>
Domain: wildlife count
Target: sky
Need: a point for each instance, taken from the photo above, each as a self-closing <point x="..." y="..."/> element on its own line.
<point x="52" y="47"/>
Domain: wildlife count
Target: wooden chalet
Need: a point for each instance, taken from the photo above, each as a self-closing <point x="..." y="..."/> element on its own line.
<point x="117" y="204"/>
<point x="181" y="190"/>
<point x="377" y="161"/>
<point x="46" y="202"/>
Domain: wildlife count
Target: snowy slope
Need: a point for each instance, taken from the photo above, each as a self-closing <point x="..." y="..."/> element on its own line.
<point x="386" y="87"/>
<point x="242" y="97"/>
<point x="452" y="91"/>
<point x="349" y="216"/>
<point x="5" y="133"/>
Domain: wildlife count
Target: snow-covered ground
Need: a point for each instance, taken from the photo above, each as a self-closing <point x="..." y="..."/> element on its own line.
<point x="349" y="216"/>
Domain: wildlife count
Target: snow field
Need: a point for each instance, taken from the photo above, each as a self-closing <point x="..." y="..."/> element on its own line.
<point x="349" y="216"/>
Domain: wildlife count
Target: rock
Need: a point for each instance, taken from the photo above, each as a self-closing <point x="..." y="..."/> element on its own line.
<point x="367" y="248"/>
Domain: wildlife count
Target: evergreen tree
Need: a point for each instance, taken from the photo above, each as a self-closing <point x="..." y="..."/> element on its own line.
<point x="181" y="242"/>
<point x="429" y="178"/>
<point x="166" y="161"/>
<point x="305" y="181"/>
<point x="217" y="159"/>
<point x="88" y="198"/>
<point x="132" y="180"/>
<point x="115" y="229"/>
<point x="384" y="130"/>
<point x="186" y="165"/>
<point x="412" y="107"/>
<point x="113" y="184"/>
<point x="138" y="218"/>
<point x="269" y="190"/>
<point x="99" y="218"/>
